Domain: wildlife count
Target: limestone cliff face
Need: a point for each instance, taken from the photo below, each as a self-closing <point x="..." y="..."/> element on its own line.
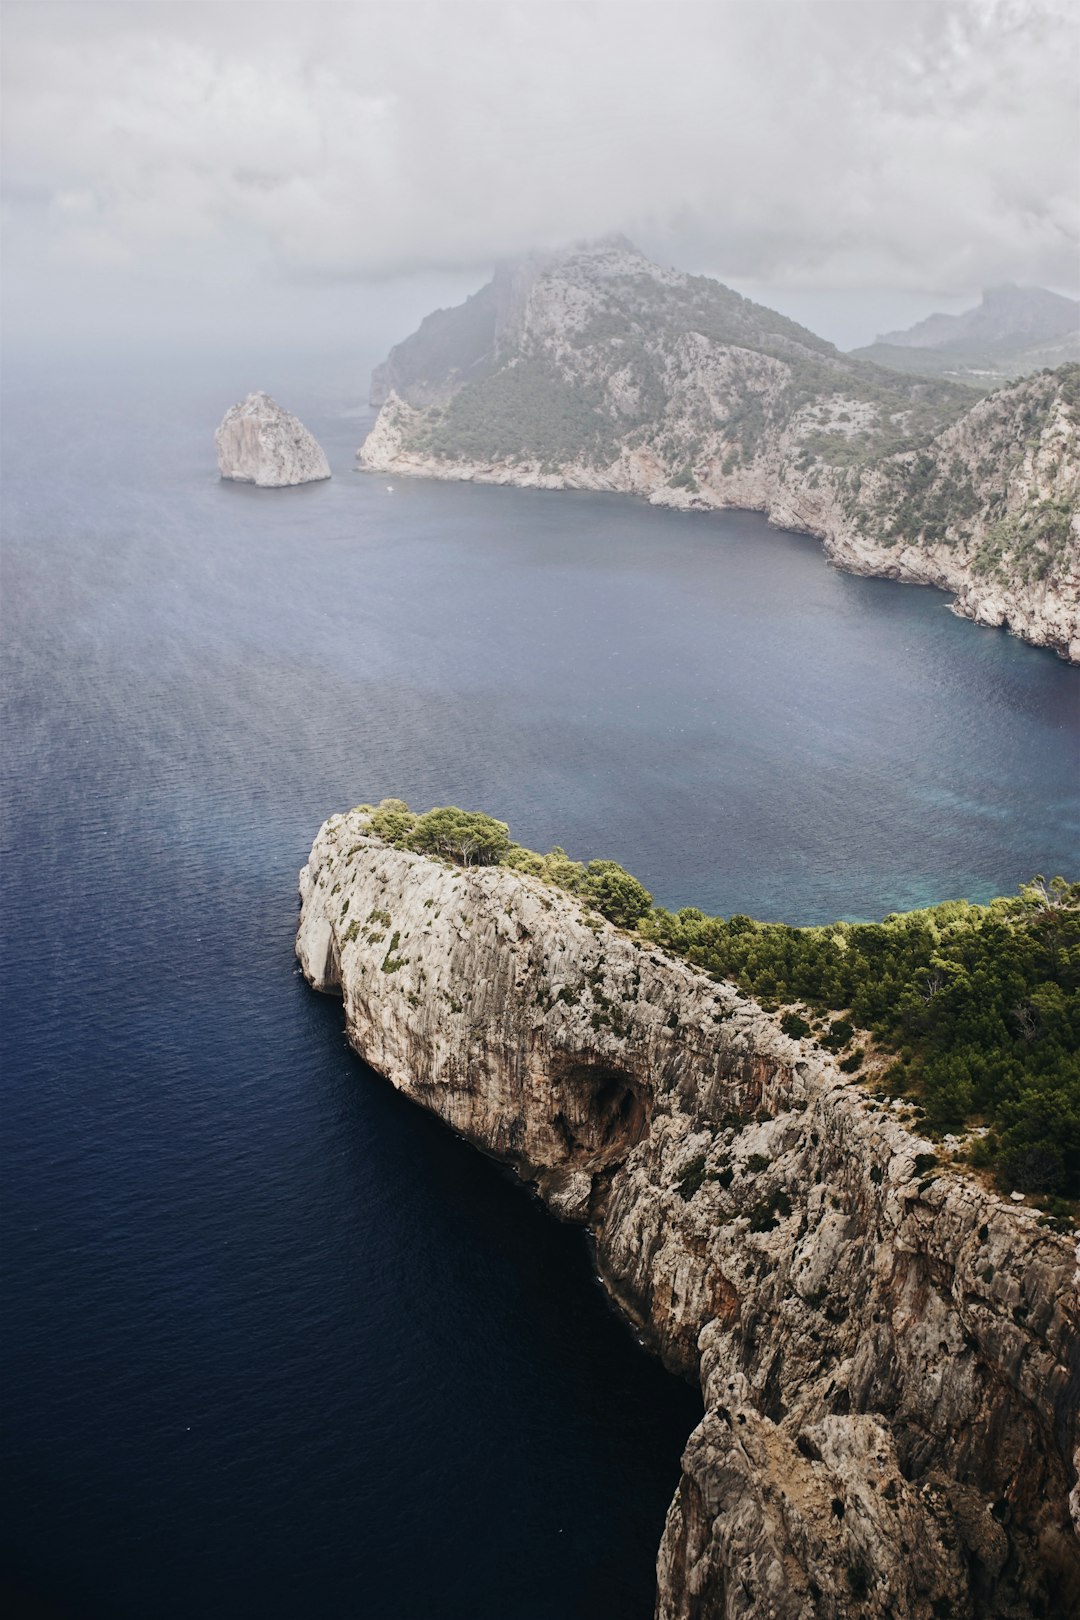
<point x="888" y="1352"/>
<point x="600" y="370"/>
<point x="260" y="443"/>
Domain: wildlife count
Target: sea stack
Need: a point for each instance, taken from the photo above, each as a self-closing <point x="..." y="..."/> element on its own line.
<point x="259" y="442"/>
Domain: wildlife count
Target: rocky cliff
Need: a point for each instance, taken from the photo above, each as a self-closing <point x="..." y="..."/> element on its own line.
<point x="258" y="442"/>
<point x="887" y="1351"/>
<point x="599" y="370"/>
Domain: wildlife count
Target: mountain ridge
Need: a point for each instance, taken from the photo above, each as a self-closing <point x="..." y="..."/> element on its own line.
<point x="1011" y="333"/>
<point x="1026" y="315"/>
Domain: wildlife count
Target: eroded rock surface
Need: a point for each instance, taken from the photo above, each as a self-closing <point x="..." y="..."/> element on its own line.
<point x="259" y="442"/>
<point x="887" y="1351"/>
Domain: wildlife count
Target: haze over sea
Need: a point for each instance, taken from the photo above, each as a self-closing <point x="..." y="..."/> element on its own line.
<point x="277" y="1344"/>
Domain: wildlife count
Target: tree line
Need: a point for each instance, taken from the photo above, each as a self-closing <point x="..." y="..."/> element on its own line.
<point x="970" y="1011"/>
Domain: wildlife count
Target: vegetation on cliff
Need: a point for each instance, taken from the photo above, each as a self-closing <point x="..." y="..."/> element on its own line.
<point x="528" y="410"/>
<point x="990" y="485"/>
<point x="470" y="838"/>
<point x="971" y="1011"/>
<point x="976" y="1007"/>
<point x="623" y="372"/>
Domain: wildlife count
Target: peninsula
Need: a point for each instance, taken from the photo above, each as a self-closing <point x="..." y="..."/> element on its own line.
<point x="597" y="369"/>
<point x="886" y="1347"/>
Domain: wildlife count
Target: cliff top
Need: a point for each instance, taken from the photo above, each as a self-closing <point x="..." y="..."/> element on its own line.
<point x="959" y="1016"/>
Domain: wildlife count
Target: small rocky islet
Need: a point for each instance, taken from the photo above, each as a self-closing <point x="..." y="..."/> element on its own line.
<point x="259" y="442"/>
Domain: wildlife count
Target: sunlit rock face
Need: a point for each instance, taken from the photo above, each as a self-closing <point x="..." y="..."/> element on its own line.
<point x="887" y="1351"/>
<point x="259" y="442"/>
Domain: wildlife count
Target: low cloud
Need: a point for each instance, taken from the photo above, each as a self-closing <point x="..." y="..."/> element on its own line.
<point x="921" y="146"/>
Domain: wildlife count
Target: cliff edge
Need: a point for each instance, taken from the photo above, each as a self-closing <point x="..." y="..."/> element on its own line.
<point x="887" y="1351"/>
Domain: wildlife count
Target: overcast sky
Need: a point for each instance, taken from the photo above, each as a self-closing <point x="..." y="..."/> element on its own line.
<point x="191" y="169"/>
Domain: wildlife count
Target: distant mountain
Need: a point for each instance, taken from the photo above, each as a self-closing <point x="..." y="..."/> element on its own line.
<point x="1013" y="332"/>
<point x="1022" y="316"/>
<point x="596" y="369"/>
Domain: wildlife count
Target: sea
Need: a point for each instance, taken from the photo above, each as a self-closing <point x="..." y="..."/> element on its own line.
<point x="276" y="1344"/>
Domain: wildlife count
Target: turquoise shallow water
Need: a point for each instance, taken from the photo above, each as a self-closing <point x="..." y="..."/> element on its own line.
<point x="278" y="1344"/>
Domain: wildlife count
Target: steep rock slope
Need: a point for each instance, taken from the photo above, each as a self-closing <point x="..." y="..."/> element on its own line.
<point x="259" y="442"/>
<point x="599" y="370"/>
<point x="888" y="1353"/>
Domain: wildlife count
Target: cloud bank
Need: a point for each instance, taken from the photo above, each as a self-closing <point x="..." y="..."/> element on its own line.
<point x="921" y="145"/>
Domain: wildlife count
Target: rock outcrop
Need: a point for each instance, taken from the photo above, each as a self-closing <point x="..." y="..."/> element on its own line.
<point x="887" y="1351"/>
<point x="259" y="442"/>
<point x="599" y="370"/>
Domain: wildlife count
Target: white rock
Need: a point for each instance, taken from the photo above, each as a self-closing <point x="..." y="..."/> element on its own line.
<point x="259" y="442"/>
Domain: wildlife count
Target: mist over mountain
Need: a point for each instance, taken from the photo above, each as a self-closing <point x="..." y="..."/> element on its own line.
<point x="1014" y="331"/>
<point x="175" y="174"/>
<point x="1024" y="315"/>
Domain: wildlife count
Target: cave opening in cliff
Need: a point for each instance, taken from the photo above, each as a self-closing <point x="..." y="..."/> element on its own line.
<point x="603" y="1110"/>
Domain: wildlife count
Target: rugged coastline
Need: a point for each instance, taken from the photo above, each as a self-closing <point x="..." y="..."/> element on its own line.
<point x="887" y="1352"/>
<point x="599" y="370"/>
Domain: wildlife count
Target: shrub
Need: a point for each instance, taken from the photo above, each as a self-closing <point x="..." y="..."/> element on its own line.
<point x="392" y="821"/>
<point x="691" y="1177"/>
<point x="838" y="1035"/>
<point x="466" y="836"/>
<point x="566" y="874"/>
<point x="615" y="894"/>
<point x="524" y="860"/>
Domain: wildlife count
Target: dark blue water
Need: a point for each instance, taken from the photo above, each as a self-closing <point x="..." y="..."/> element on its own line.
<point x="275" y="1343"/>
